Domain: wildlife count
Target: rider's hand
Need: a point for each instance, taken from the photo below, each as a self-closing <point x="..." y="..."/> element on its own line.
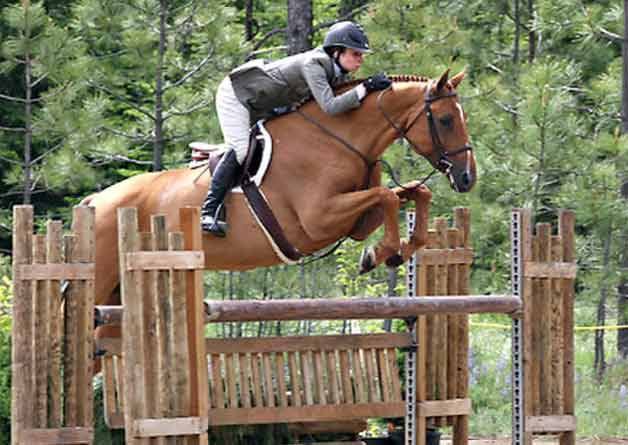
<point x="377" y="82"/>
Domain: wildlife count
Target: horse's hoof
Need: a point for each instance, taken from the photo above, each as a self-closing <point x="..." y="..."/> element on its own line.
<point x="394" y="261"/>
<point x="367" y="260"/>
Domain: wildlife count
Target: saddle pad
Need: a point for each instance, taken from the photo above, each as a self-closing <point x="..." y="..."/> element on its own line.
<point x="200" y="150"/>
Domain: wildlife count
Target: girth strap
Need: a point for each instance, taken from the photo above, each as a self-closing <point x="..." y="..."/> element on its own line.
<point x="265" y="216"/>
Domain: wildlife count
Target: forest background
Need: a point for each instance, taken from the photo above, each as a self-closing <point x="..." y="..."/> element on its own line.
<point x="95" y="91"/>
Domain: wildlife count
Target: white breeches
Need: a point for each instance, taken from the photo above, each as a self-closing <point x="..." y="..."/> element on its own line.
<point x="234" y="119"/>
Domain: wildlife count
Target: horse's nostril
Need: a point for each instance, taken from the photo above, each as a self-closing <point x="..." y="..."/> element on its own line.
<point x="466" y="180"/>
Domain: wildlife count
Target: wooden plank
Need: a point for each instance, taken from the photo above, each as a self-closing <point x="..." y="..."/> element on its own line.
<point x="183" y="260"/>
<point x="218" y="393"/>
<point x="41" y="337"/>
<point x="307" y="343"/>
<point x="455" y="407"/>
<point x="462" y="221"/>
<point x="556" y="302"/>
<point x="319" y="378"/>
<point x="245" y="375"/>
<point x="371" y="376"/>
<point x="120" y="391"/>
<point x="190" y="219"/>
<point x="384" y="375"/>
<point x="57" y="436"/>
<point x="22" y="366"/>
<point x="110" y="407"/>
<point x="421" y="357"/>
<point x="132" y="344"/>
<point x="550" y="269"/>
<point x="309" y="413"/>
<point x="391" y="354"/>
<point x="54" y="230"/>
<point x="281" y="379"/>
<point x="307" y="370"/>
<point x="258" y="397"/>
<point x="444" y="256"/>
<point x="440" y="225"/>
<point x="550" y="424"/>
<point x="453" y="323"/>
<point x="332" y="378"/>
<point x="181" y="426"/>
<point x="295" y="387"/>
<point x="71" y="339"/>
<point x="267" y="379"/>
<point x="345" y="377"/>
<point x="152" y="347"/>
<point x="231" y="377"/>
<point x="56" y="272"/>
<point x="180" y="332"/>
<point x="361" y="387"/>
<point x="544" y="234"/>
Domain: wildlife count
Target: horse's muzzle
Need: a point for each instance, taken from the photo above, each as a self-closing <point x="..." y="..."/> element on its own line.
<point x="462" y="181"/>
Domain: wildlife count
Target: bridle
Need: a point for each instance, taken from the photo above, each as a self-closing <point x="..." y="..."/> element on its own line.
<point x="441" y="156"/>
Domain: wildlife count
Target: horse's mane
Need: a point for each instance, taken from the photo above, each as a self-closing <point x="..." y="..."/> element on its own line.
<point x="394" y="78"/>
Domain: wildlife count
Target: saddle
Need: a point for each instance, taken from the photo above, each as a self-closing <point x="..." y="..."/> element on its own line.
<point x="255" y="165"/>
<point x="249" y="180"/>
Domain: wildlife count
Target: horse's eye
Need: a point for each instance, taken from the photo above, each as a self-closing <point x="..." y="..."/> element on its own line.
<point x="446" y="121"/>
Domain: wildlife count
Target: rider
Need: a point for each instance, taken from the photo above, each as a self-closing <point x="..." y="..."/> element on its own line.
<point x="257" y="89"/>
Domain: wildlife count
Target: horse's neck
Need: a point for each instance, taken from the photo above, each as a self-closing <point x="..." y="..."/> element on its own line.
<point x="376" y="132"/>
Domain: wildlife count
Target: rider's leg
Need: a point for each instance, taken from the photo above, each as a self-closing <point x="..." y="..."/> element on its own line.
<point x="234" y="121"/>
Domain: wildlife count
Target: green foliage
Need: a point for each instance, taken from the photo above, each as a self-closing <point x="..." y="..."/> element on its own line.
<point x="5" y="351"/>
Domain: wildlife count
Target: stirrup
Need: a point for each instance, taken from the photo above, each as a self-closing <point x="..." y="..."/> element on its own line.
<point x="214" y="226"/>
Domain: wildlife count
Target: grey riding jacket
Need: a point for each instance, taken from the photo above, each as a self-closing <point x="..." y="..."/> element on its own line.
<point x="262" y="86"/>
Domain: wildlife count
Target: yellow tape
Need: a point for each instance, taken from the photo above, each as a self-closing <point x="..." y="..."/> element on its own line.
<point x="577" y="328"/>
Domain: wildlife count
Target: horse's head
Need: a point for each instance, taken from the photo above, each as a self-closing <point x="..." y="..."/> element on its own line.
<point x="438" y="132"/>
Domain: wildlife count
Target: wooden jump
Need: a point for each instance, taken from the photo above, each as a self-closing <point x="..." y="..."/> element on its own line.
<point x="163" y="379"/>
<point x="49" y="337"/>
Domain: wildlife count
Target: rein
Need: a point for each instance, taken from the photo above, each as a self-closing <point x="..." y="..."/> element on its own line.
<point x="443" y="163"/>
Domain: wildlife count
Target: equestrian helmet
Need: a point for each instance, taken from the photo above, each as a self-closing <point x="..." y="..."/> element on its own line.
<point x="347" y="35"/>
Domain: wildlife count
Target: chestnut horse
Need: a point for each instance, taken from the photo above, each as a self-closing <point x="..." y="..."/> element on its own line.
<point x="315" y="183"/>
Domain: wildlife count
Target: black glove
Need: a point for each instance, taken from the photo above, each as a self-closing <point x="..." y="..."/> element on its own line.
<point x="377" y="82"/>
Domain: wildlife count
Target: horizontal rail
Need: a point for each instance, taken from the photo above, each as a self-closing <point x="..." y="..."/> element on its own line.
<point x="339" y="309"/>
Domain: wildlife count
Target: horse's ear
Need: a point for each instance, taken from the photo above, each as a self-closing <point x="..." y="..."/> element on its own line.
<point x="443" y="80"/>
<point x="455" y="81"/>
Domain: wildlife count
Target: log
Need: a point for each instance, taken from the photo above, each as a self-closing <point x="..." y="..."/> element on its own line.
<point x="357" y="308"/>
<point x="339" y="309"/>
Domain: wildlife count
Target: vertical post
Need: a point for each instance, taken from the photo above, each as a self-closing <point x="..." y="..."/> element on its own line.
<point x="462" y="221"/>
<point x="518" y="415"/>
<point x="83" y="228"/>
<point x="22" y="331"/>
<point x="132" y="322"/>
<point x="41" y="336"/>
<point x="54" y="230"/>
<point x="566" y="232"/>
<point x="191" y="228"/>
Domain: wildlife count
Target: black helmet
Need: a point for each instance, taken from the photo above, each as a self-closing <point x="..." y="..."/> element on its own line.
<point x="347" y="35"/>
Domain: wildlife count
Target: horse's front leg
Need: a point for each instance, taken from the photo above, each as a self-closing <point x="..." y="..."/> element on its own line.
<point x="422" y="197"/>
<point x="338" y="210"/>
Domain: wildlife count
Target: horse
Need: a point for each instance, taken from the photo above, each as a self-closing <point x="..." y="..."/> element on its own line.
<point x="321" y="185"/>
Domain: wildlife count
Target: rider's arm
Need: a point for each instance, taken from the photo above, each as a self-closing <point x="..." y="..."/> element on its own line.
<point x="320" y="88"/>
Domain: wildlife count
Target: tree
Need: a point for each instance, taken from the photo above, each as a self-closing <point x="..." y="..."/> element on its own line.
<point x="622" y="288"/>
<point x="153" y="65"/>
<point x="39" y="51"/>
<point x="299" y="35"/>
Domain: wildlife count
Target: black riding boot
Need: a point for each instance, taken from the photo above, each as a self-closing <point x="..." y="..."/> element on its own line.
<point x="222" y="180"/>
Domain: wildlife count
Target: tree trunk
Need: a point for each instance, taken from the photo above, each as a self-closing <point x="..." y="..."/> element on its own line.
<point x="249" y="22"/>
<point x="28" y="135"/>
<point x="517" y="18"/>
<point x="622" y="288"/>
<point x="600" y="359"/>
<point x="158" y="142"/>
<point x="299" y="36"/>
<point x="348" y="6"/>
<point x="531" y="33"/>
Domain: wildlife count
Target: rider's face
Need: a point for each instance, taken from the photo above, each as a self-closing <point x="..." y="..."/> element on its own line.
<point x="351" y="60"/>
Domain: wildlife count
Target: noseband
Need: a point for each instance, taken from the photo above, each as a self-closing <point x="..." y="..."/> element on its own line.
<point x="441" y="160"/>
